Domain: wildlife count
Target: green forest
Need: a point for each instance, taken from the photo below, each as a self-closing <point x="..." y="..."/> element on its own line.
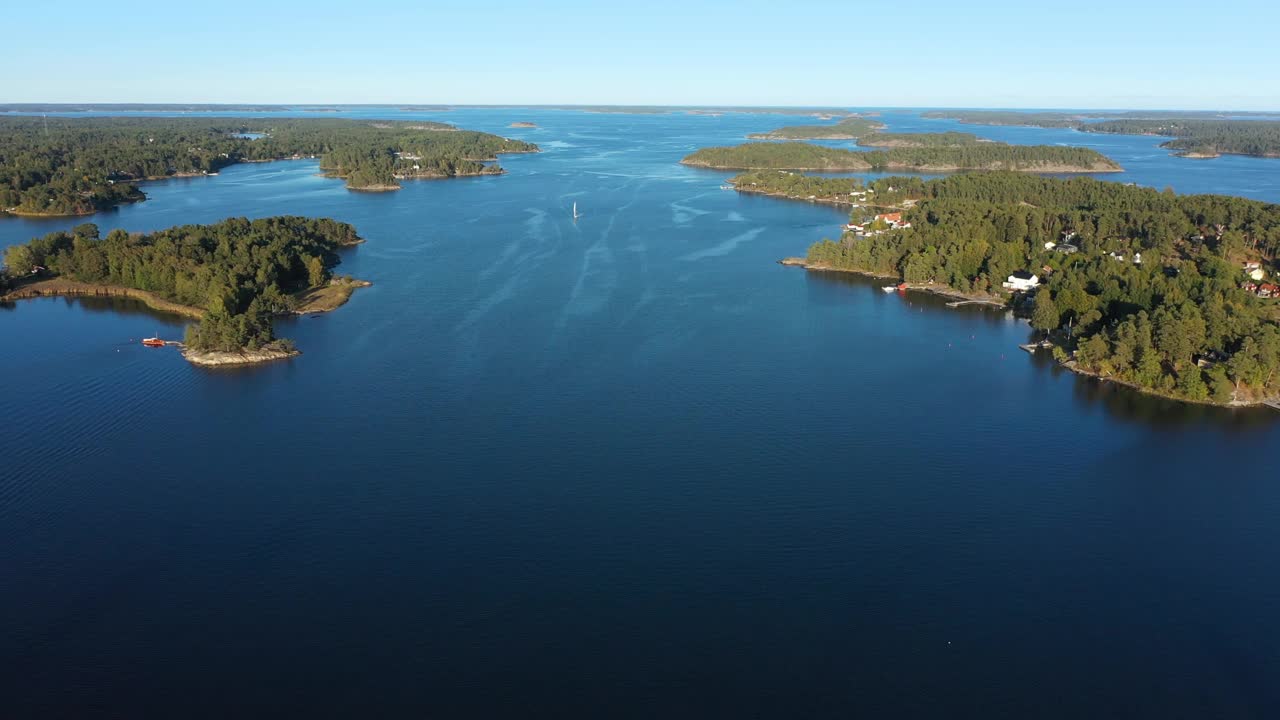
<point x="980" y="156"/>
<point x="1194" y="133"/>
<point x="1008" y="117"/>
<point x="1179" y="323"/>
<point x="242" y="272"/>
<point x="1203" y="136"/>
<point x="77" y="166"/>
<point x="845" y="129"/>
<point x="942" y="139"/>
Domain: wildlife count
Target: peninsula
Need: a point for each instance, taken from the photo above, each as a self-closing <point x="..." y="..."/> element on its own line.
<point x="1145" y="288"/>
<point x="978" y="156"/>
<point x="78" y="166"/>
<point x="232" y="276"/>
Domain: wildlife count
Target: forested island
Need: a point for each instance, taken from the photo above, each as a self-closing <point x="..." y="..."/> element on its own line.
<point x="978" y="156"/>
<point x="1196" y="134"/>
<point x="1008" y="117"/>
<point x="1141" y="287"/>
<point x="846" y="129"/>
<point x="919" y="140"/>
<point x="234" y="276"/>
<point x="1202" y="138"/>
<point x="83" y="165"/>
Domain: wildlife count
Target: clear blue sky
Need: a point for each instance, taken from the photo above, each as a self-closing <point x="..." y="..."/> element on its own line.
<point x="1000" y="53"/>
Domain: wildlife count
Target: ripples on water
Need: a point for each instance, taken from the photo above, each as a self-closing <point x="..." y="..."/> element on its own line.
<point x="627" y="465"/>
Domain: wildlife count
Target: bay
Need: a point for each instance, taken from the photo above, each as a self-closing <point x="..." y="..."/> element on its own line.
<point x="623" y="466"/>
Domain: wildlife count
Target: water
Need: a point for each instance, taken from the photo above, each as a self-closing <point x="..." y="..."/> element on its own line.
<point x="623" y="467"/>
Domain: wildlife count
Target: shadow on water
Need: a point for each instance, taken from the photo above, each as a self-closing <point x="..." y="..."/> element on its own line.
<point x="822" y="281"/>
<point x="1119" y="401"/>
<point x="106" y="305"/>
<point x="1125" y="403"/>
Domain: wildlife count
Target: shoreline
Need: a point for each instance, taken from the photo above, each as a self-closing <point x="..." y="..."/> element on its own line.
<point x="60" y="287"/>
<point x="161" y="178"/>
<point x="311" y="301"/>
<point x="932" y="288"/>
<point x="784" y="196"/>
<point x="217" y="358"/>
<point x="1072" y="365"/>
<point x="900" y="167"/>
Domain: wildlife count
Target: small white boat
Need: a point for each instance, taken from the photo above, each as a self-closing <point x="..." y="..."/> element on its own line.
<point x="890" y="288"/>
<point x="575" y="211"/>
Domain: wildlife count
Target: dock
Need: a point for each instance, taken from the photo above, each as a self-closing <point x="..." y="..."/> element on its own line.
<point x="958" y="303"/>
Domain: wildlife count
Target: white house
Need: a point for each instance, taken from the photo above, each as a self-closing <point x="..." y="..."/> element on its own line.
<point x="1022" y="281"/>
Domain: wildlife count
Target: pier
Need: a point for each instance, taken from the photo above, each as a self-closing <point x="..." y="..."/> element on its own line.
<point x="992" y="303"/>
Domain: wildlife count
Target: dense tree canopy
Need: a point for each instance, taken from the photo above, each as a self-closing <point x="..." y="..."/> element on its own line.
<point x="980" y="156"/>
<point x="847" y="128"/>
<point x="1008" y="117"/>
<point x="1178" y="323"/>
<point x="1203" y="136"/>
<point x="1196" y="133"/>
<point x="240" y="271"/>
<point x="942" y="139"/>
<point x="75" y="166"/>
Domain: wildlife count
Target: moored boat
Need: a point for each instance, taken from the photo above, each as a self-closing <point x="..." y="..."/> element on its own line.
<point x="153" y="342"/>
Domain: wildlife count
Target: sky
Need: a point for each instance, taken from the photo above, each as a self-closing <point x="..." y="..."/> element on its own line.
<point x="1141" y="54"/>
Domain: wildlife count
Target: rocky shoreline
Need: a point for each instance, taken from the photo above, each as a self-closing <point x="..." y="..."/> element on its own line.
<point x="312" y="301"/>
<point x="947" y="291"/>
<point x="59" y="287"/>
<point x="212" y="358"/>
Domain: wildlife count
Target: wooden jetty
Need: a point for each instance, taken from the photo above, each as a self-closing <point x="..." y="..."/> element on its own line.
<point x="992" y="303"/>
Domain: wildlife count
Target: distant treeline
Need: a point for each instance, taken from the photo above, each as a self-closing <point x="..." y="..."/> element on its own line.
<point x="62" y="166"/>
<point x="240" y="272"/>
<point x="942" y="139"/>
<point x="1203" y="137"/>
<point x="979" y="156"/>
<point x="1008" y="117"/>
<point x="848" y="128"/>
<point x="1177" y="323"/>
<point x="135" y="107"/>
<point x="1196" y="133"/>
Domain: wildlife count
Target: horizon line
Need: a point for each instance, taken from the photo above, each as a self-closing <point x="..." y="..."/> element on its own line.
<point x="712" y="106"/>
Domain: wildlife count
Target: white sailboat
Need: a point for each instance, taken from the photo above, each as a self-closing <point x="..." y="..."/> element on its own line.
<point x="575" y="211"/>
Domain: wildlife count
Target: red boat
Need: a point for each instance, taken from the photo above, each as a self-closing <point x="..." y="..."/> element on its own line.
<point x="153" y="342"/>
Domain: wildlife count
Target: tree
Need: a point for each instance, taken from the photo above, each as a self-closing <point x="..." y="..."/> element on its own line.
<point x="1044" y="316"/>
<point x="316" y="273"/>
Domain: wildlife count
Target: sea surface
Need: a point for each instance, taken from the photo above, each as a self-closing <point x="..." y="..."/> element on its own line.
<point x="627" y="466"/>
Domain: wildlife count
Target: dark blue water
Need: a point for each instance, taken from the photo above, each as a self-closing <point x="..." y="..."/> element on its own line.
<point x="628" y="467"/>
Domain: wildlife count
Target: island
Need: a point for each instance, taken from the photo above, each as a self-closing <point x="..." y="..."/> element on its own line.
<point x="79" y="166"/>
<point x="1196" y="134"/>
<point x="1009" y="117"/>
<point x="846" y="129"/>
<point x="522" y="124"/>
<point x="979" y="156"/>
<point x="1202" y="138"/>
<point x="1164" y="293"/>
<point x="232" y="276"/>
<point x="921" y="140"/>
